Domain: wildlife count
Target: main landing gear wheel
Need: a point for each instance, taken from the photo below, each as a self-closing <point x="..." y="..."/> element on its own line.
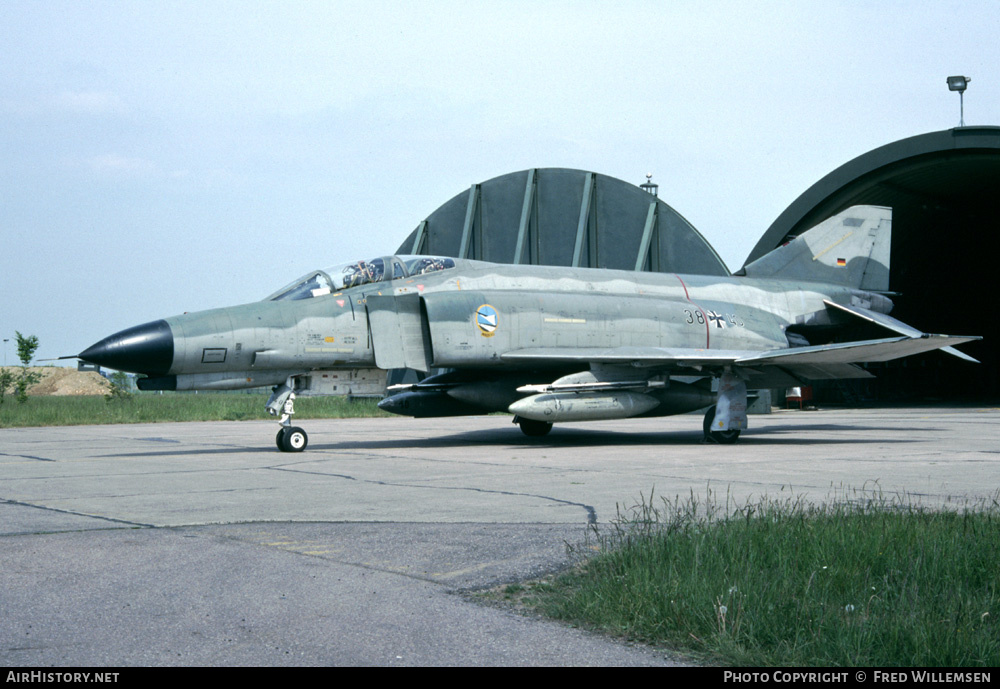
<point x="292" y="439"/>
<point x="721" y="437"/>
<point x="532" y="428"/>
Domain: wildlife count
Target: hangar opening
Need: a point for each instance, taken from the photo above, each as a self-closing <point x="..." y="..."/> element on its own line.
<point x="944" y="189"/>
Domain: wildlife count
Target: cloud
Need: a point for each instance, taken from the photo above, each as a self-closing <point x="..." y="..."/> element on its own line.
<point x="90" y="102"/>
<point x="112" y="163"/>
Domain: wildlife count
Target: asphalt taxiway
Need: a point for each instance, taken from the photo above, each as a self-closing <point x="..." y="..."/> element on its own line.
<point x="201" y="544"/>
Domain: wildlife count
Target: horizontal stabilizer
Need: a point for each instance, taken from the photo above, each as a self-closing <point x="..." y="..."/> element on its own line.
<point x="890" y="323"/>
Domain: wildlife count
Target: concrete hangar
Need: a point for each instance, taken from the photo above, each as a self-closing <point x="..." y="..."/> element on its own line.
<point x="943" y="187"/>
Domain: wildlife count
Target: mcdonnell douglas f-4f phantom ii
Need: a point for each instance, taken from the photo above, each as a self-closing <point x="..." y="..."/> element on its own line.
<point x="547" y="344"/>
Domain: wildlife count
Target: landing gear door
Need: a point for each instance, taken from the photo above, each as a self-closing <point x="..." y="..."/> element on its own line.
<point x="399" y="331"/>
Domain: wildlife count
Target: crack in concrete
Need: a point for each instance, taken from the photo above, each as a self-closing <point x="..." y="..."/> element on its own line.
<point x="590" y="510"/>
<point x="40" y="459"/>
<point x="57" y="510"/>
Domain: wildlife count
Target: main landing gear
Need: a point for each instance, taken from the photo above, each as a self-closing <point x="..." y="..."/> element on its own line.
<point x="290" y="438"/>
<point x="532" y="428"/>
<point x="725" y="419"/>
<point x="721" y="437"/>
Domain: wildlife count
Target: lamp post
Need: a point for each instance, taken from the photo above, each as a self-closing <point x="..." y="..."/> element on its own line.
<point x="5" y="341"/>
<point x="959" y="84"/>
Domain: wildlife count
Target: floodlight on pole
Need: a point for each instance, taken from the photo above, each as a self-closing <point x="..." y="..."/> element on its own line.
<point x="959" y="84"/>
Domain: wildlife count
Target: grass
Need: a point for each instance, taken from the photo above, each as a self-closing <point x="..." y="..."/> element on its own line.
<point x="153" y="408"/>
<point x="870" y="582"/>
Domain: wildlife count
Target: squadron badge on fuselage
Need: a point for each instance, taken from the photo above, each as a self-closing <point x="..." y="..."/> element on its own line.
<point x="486" y="319"/>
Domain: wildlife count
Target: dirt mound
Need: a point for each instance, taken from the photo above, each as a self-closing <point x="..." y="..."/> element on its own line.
<point x="64" y="381"/>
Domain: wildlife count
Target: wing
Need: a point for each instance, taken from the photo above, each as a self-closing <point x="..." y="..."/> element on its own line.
<point x="773" y="367"/>
<point x="854" y="352"/>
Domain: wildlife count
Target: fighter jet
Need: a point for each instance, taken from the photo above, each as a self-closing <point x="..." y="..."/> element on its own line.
<point x="547" y="344"/>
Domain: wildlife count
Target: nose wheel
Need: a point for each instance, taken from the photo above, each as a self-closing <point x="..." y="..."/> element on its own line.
<point x="291" y="439"/>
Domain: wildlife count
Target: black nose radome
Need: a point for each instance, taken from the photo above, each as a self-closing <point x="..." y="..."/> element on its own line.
<point x="146" y="348"/>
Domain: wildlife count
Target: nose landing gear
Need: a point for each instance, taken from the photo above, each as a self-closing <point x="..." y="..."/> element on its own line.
<point x="290" y="438"/>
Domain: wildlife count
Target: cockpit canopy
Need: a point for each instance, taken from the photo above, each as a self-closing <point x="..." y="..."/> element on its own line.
<point x="357" y="273"/>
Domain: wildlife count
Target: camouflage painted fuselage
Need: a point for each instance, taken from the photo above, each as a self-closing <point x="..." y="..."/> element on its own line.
<point x="478" y="314"/>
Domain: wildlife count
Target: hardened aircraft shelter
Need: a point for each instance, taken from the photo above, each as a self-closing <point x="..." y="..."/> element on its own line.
<point x="944" y="191"/>
<point x="943" y="187"/>
<point x="560" y="217"/>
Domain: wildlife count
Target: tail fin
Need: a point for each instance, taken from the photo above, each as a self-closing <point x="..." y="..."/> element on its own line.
<point x="851" y="249"/>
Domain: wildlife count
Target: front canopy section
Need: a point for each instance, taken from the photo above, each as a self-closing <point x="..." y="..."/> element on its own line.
<point x="357" y="273"/>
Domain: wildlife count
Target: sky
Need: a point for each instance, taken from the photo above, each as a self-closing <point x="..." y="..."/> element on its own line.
<point x="164" y="157"/>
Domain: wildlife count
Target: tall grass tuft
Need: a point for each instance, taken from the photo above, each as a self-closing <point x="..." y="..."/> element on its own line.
<point x="865" y="582"/>
<point x="153" y="408"/>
